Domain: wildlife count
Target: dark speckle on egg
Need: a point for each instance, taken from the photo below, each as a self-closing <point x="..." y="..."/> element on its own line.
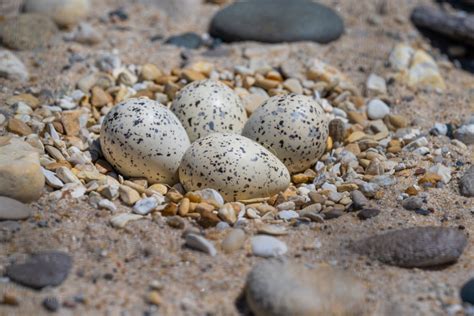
<point x="293" y="127"/>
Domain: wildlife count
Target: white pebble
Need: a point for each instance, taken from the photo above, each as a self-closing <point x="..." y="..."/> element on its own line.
<point x="377" y="109"/>
<point x="267" y="246"/>
<point x="200" y="243"/>
<point x="107" y="204"/>
<point x="145" y="206"/>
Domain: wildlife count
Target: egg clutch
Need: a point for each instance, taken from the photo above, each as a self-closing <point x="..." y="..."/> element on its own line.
<point x="204" y="140"/>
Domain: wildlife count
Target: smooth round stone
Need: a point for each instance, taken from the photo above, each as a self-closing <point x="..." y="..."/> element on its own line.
<point x="234" y="240"/>
<point x="11" y="209"/>
<point x="377" y="109"/>
<point x="276" y="21"/>
<point x="63" y="12"/>
<point x="368" y="213"/>
<point x="40" y="270"/>
<point x="27" y="31"/>
<point x="416" y="247"/>
<point x="467" y="292"/>
<point x="267" y="246"/>
<point x="283" y="288"/>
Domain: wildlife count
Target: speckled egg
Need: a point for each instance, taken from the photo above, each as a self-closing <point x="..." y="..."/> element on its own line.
<point x="234" y="165"/>
<point x="293" y="127"/>
<point x="209" y="106"/>
<point x="142" y="138"/>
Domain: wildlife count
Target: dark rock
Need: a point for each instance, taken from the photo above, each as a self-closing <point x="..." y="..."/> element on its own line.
<point x="368" y="213"/>
<point x="11" y="209"/>
<point x="359" y="200"/>
<point x="51" y="303"/>
<point x="187" y="40"/>
<point x="467" y="292"/>
<point x="284" y="288"/>
<point x="466" y="184"/>
<point x="42" y="269"/>
<point x="416" y="247"/>
<point x="332" y="214"/>
<point x="275" y="21"/>
<point x="27" y="31"/>
<point x="412" y="203"/>
<point x="337" y="130"/>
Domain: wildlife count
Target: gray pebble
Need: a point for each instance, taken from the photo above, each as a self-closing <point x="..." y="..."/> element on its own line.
<point x="412" y="203"/>
<point x="200" y="243"/>
<point x="359" y="200"/>
<point x="466" y="184"/>
<point x="234" y="240"/>
<point x="267" y="246"/>
<point x="11" y="209"/>
<point x="416" y="247"/>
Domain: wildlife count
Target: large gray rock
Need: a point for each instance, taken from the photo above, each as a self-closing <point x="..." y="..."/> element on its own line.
<point x="416" y="247"/>
<point x="40" y="270"/>
<point x="27" y="31"/>
<point x="275" y="21"/>
<point x="276" y="288"/>
<point x="466" y="184"/>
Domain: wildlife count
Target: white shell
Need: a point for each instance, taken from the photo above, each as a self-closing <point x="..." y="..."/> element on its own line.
<point x="209" y="106"/>
<point x="234" y="165"/>
<point x="293" y="127"/>
<point x="142" y="138"/>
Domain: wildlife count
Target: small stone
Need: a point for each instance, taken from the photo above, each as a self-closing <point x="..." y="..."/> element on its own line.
<point x="412" y="203"/>
<point x="128" y="195"/>
<point x="11" y="209"/>
<point x="21" y="177"/>
<point x="188" y="40"/>
<point x="107" y="204"/>
<point x="154" y="298"/>
<point x="175" y="222"/>
<point x="9" y="298"/>
<point x="289" y="205"/>
<point x="119" y="221"/>
<point x="272" y="230"/>
<point x="337" y="130"/>
<point x="368" y="213"/>
<point x="86" y="34"/>
<point x="211" y="194"/>
<point x="200" y="243"/>
<point x="467" y="292"/>
<point x="276" y="287"/>
<point x="333" y="213"/>
<point x="377" y="109"/>
<point x="160" y="188"/>
<point x="208" y="219"/>
<point x="233" y="241"/>
<point x="71" y="122"/>
<point x="27" y="31"/>
<point x="466" y="184"/>
<point x="442" y="171"/>
<point x="253" y="101"/>
<point x="19" y="127"/>
<point x="267" y="246"/>
<point x="150" y="72"/>
<point x="66" y="175"/>
<point x="317" y="197"/>
<point x="400" y="56"/>
<point x="359" y="200"/>
<point x="145" y="206"/>
<point x="465" y="134"/>
<point x="64" y="13"/>
<point x="416" y="247"/>
<point x="11" y="67"/>
<point x="227" y="213"/>
<point x="41" y="270"/>
<point x="171" y="209"/>
<point x="288" y="215"/>
<point x="293" y="85"/>
<point x="51" y="179"/>
<point x="51" y="304"/>
<point x="424" y="72"/>
<point x="100" y="97"/>
<point x="376" y="85"/>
